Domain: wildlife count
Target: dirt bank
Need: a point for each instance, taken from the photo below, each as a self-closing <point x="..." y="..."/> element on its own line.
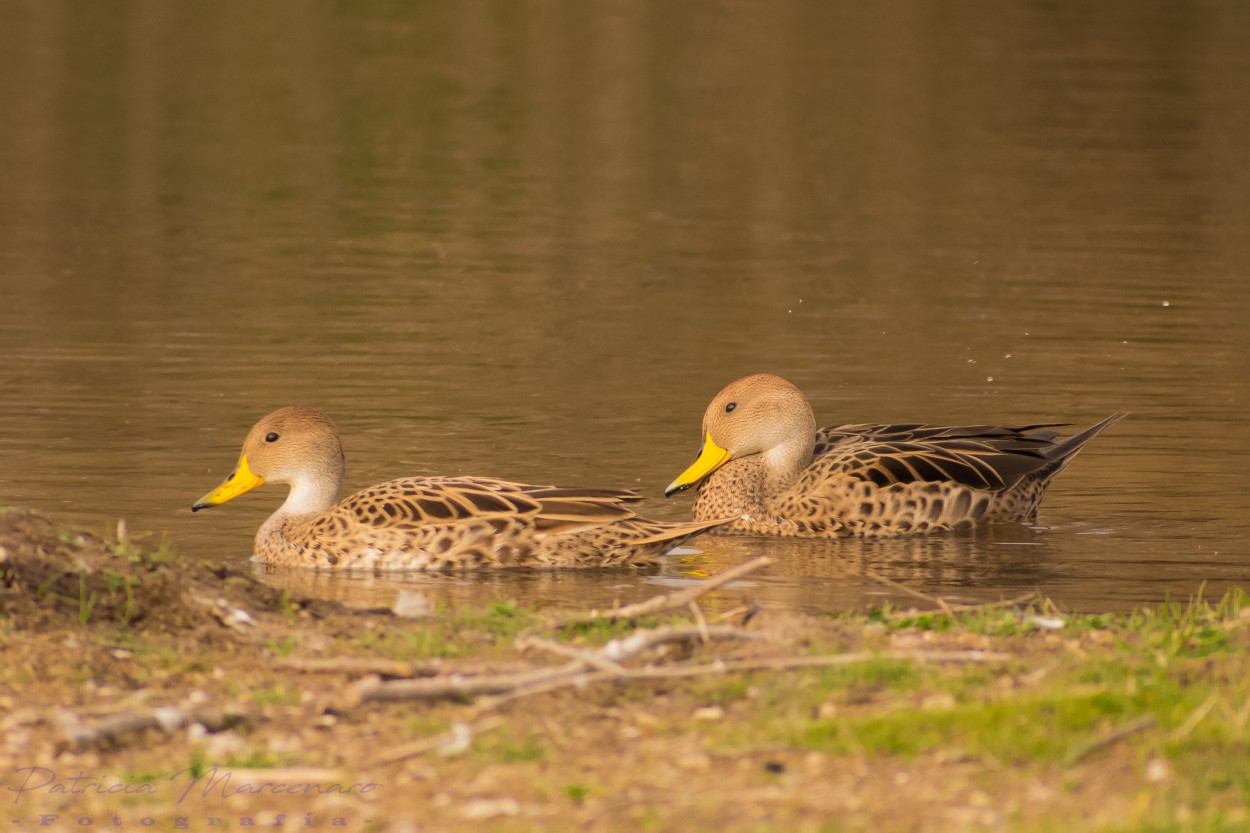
<point x="144" y="690"/>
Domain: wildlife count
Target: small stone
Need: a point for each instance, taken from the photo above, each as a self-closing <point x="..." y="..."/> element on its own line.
<point x="1158" y="771"/>
<point x="940" y="701"/>
<point x="480" y="809"/>
<point x="708" y="713"/>
<point x="695" y="761"/>
<point x="224" y="745"/>
<point x="412" y="604"/>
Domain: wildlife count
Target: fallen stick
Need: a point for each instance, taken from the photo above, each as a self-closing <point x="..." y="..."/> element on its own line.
<point x="659" y="672"/>
<point x="113" y="729"/>
<point x="950" y="609"/>
<point x="361" y="665"/>
<point x="815" y="661"/>
<point x="458" y="686"/>
<point x="628" y="647"/>
<point x="579" y="680"/>
<point x="453" y="741"/>
<point x="451" y="687"/>
<point x="898" y="585"/>
<point x="668" y="601"/>
<point x="592" y="659"/>
<point x="1195" y="717"/>
<point x="1110" y="738"/>
<point x="946" y="607"/>
<point x="577" y="673"/>
<point x="609" y="657"/>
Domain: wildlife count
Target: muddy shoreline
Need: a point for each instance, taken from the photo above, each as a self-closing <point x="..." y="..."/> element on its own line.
<point x="143" y="689"/>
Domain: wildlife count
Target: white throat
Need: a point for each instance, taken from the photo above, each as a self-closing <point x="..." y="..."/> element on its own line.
<point x="307" y="498"/>
<point x="783" y="464"/>
<point x="778" y="456"/>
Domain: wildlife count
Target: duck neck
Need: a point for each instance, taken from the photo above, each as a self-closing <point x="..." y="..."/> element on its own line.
<point x="309" y="497"/>
<point x="313" y="491"/>
<point x="284" y="528"/>
<point x="783" y="463"/>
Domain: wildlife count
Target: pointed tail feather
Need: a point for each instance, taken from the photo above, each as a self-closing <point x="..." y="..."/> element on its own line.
<point x="679" y="532"/>
<point x="1064" y="451"/>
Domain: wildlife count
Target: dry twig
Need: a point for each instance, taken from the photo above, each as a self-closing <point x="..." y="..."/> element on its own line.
<point x="898" y="585"/>
<point x="951" y="610"/>
<point x="1196" y="717"/>
<point x="458" y="686"/>
<point x="1111" y="738"/>
<point x="112" y="729"/>
<point x="450" y="687"/>
<point x="592" y="659"/>
<point x="704" y="669"/>
<point x="668" y="601"/>
<point x="361" y="665"/>
<point x="592" y="667"/>
<point x="452" y="741"/>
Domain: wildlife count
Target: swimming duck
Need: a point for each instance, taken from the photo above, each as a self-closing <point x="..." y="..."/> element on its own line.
<point x="429" y="523"/>
<point x="766" y="464"/>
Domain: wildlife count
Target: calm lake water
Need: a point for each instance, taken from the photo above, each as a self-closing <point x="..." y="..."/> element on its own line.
<point x="531" y="240"/>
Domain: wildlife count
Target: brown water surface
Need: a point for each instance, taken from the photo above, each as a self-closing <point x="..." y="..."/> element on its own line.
<point x="531" y="240"/>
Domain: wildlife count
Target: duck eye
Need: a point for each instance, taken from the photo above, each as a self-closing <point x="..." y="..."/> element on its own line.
<point x="729" y="409"/>
<point x="271" y="437"/>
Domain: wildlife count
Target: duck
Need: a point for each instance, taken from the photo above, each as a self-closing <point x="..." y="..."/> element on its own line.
<point x="764" y="462"/>
<point x="429" y="523"/>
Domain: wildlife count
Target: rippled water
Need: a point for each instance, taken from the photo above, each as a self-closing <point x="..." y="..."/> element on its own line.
<point x="533" y="240"/>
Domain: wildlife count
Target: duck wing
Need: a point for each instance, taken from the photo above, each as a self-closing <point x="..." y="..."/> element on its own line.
<point x="1005" y="437"/>
<point x="410" y="504"/>
<point x="989" y="458"/>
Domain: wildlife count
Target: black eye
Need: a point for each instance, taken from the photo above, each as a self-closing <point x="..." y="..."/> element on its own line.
<point x="729" y="409"/>
<point x="271" y="437"/>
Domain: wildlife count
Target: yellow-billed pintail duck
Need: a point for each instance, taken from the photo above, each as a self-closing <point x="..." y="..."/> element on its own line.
<point x="429" y="523"/>
<point x="765" y="463"/>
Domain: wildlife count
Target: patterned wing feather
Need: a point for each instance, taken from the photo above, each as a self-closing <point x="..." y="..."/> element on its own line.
<point x="977" y="463"/>
<point x="410" y="503"/>
<point x="1004" y="438"/>
<point x="581" y="495"/>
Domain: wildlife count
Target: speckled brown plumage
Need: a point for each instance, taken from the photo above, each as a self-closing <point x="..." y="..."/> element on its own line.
<point x="430" y="523"/>
<point x="765" y="463"/>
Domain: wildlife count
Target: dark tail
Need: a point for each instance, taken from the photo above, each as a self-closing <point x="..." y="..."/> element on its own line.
<point x="1063" y="451"/>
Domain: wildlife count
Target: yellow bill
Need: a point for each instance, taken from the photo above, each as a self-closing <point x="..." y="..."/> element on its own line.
<point x="240" y="481"/>
<point x="710" y="459"/>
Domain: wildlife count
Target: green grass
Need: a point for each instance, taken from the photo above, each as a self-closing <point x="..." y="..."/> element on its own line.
<point x="451" y="633"/>
<point x="425" y="726"/>
<point x="506" y="748"/>
<point x="254" y="759"/>
<point x="283" y="647"/>
<point x="600" y="631"/>
<point x="577" y="793"/>
<point x="275" y="695"/>
<point x="1045" y="727"/>
<point x="1160" y="664"/>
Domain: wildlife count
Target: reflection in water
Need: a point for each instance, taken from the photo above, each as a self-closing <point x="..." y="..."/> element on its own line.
<point x="812" y="576"/>
<point x="531" y="242"/>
